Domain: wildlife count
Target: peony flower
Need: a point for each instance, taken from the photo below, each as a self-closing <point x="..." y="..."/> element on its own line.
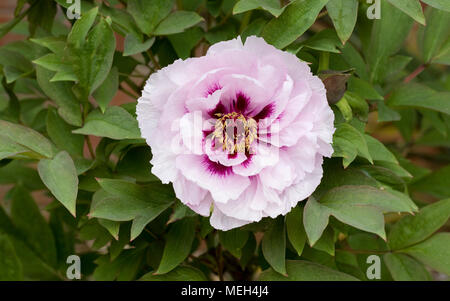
<point x="240" y="132"/>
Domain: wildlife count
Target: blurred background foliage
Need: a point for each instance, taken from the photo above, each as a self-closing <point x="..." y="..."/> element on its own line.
<point x="75" y="174"/>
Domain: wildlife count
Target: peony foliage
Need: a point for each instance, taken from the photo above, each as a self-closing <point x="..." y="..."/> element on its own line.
<point x="100" y="158"/>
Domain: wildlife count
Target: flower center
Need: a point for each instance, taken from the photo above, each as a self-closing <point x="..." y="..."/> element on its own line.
<point x="234" y="132"/>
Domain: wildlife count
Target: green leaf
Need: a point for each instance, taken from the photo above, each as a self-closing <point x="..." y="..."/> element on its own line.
<point x="395" y="67"/>
<point x="121" y="232"/>
<point x="15" y="65"/>
<point x="345" y="108"/>
<point x="434" y="252"/>
<point x="148" y="13"/>
<point x="113" y="229"/>
<point x="293" y="22"/>
<point x="412" y="8"/>
<point x="439" y="4"/>
<point x="60" y="176"/>
<point x="295" y="230"/>
<point x="378" y="151"/>
<point x="348" y="142"/>
<point x="17" y="171"/>
<point x="136" y="164"/>
<point x="359" y="206"/>
<point x="8" y="148"/>
<point x="26" y="137"/>
<point x="335" y="175"/>
<point x="359" y="106"/>
<point x="180" y="211"/>
<point x="178" y="245"/>
<point x="184" y="42"/>
<point x="272" y="6"/>
<point x="32" y="226"/>
<point x="81" y="28"/>
<point x="420" y="96"/>
<point x="435" y="34"/>
<point x="354" y="59"/>
<point x="220" y="33"/>
<point x="61" y="93"/>
<point x="414" y="229"/>
<point x="326" y="40"/>
<point x="436" y="183"/>
<point x="388" y="35"/>
<point x="248" y="251"/>
<point x="234" y="241"/>
<point x="61" y="134"/>
<point x="385" y="113"/>
<point x="254" y="29"/>
<point x="92" y="60"/>
<point x="405" y="268"/>
<point x="56" y="63"/>
<point x="123" y="22"/>
<point x="182" y="273"/>
<point x="123" y="201"/>
<point x="299" y="270"/>
<point x="92" y="230"/>
<point x="315" y="220"/>
<point x="134" y="46"/>
<point x="115" y="123"/>
<point x="106" y="92"/>
<point x="124" y="268"/>
<point x="10" y="265"/>
<point x="177" y="22"/>
<point x="363" y="89"/>
<point x="343" y="13"/>
<point x="326" y="242"/>
<point x="274" y="245"/>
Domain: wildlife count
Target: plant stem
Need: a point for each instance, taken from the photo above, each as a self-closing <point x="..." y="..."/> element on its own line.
<point x="86" y="138"/>
<point x="133" y="85"/>
<point x="127" y="92"/>
<point x="154" y="61"/>
<point x="91" y="149"/>
<point x="219" y="260"/>
<point x="415" y="73"/>
<point x="324" y="61"/>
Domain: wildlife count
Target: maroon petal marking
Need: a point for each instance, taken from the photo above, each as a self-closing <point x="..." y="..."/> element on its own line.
<point x="247" y="162"/>
<point x="265" y="112"/>
<point x="215" y="168"/>
<point x="213" y="89"/>
<point x="219" y="109"/>
<point x="241" y="103"/>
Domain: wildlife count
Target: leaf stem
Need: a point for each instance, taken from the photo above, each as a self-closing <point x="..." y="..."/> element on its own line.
<point x="154" y="61"/>
<point x="324" y="61"/>
<point x="127" y="92"/>
<point x="219" y="260"/>
<point x="415" y="73"/>
<point x="86" y="138"/>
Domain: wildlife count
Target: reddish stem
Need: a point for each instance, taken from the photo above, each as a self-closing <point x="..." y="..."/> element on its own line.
<point x="415" y="73"/>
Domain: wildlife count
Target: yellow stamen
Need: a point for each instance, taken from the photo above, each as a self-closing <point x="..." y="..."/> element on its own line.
<point x="235" y="142"/>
